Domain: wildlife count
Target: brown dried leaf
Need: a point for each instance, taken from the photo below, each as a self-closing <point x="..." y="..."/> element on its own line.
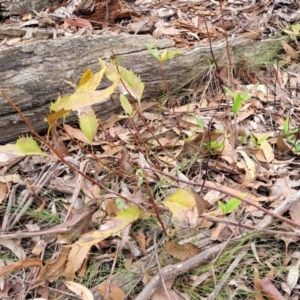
<point x="289" y="50"/>
<point x="54" y="268"/>
<point x="79" y="290"/>
<point x="115" y="293"/>
<point x="257" y="285"/>
<point x="281" y="144"/>
<point x="57" y="142"/>
<point x="295" y="211"/>
<point x="28" y="263"/>
<point x="201" y="204"/>
<point x="269" y="289"/>
<point x="181" y="252"/>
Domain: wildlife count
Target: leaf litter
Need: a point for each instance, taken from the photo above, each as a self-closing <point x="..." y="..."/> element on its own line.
<point x="212" y="181"/>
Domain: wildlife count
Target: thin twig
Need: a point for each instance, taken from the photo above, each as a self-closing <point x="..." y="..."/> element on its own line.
<point x="159" y="267"/>
<point x="61" y="158"/>
<point x="229" y="192"/>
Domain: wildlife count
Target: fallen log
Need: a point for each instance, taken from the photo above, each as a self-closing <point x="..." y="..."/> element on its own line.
<point x="33" y="74"/>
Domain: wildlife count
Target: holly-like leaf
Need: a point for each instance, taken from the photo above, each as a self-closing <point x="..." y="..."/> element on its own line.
<point x="88" y="124"/>
<point x="61" y="103"/>
<point x="28" y="146"/>
<point x="129" y="83"/>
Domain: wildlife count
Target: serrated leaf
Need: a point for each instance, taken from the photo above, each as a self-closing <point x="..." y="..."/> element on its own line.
<point x="126" y="105"/>
<point x="80" y="100"/>
<point x="88" y="124"/>
<point x="28" y="146"/>
<point x="61" y="103"/>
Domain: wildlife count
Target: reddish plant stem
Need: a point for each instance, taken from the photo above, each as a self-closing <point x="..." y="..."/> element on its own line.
<point x="229" y="192"/>
<point x="227" y="46"/>
<point x="60" y="157"/>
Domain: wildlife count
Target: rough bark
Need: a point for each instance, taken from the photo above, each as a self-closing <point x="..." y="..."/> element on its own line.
<point x="34" y="74"/>
<point x="19" y="7"/>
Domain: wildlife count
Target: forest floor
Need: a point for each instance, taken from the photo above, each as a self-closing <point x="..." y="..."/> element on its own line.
<point x="195" y="195"/>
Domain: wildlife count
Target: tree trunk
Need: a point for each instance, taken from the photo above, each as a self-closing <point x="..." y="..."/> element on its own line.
<point x="34" y="74"/>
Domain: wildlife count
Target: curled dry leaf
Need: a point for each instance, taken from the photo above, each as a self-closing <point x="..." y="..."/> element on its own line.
<point x="28" y="263"/>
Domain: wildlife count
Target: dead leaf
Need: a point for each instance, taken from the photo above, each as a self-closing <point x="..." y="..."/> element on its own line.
<point x="181" y="252"/>
<point x="28" y="263"/>
<point x="289" y="50"/>
<point x="79" y="290"/>
<point x="14" y="248"/>
<point x="269" y="289"/>
<point x="201" y="204"/>
<point x="115" y="293"/>
<point x="257" y="285"/>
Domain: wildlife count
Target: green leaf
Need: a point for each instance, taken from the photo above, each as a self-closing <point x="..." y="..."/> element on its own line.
<point x="262" y="139"/>
<point x="296" y="28"/>
<point x="252" y="139"/>
<point x="286" y="125"/>
<point x="88" y="124"/>
<point x="200" y="123"/>
<point x="245" y="96"/>
<point x="166" y="55"/>
<point x="133" y="83"/>
<point x="120" y="203"/>
<point x="232" y="204"/>
<point x="28" y="146"/>
<point x="222" y="207"/>
<point x="237" y="104"/>
<point x="153" y="51"/>
<point x="230" y="92"/>
<point x="126" y="105"/>
<point x="128" y="81"/>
